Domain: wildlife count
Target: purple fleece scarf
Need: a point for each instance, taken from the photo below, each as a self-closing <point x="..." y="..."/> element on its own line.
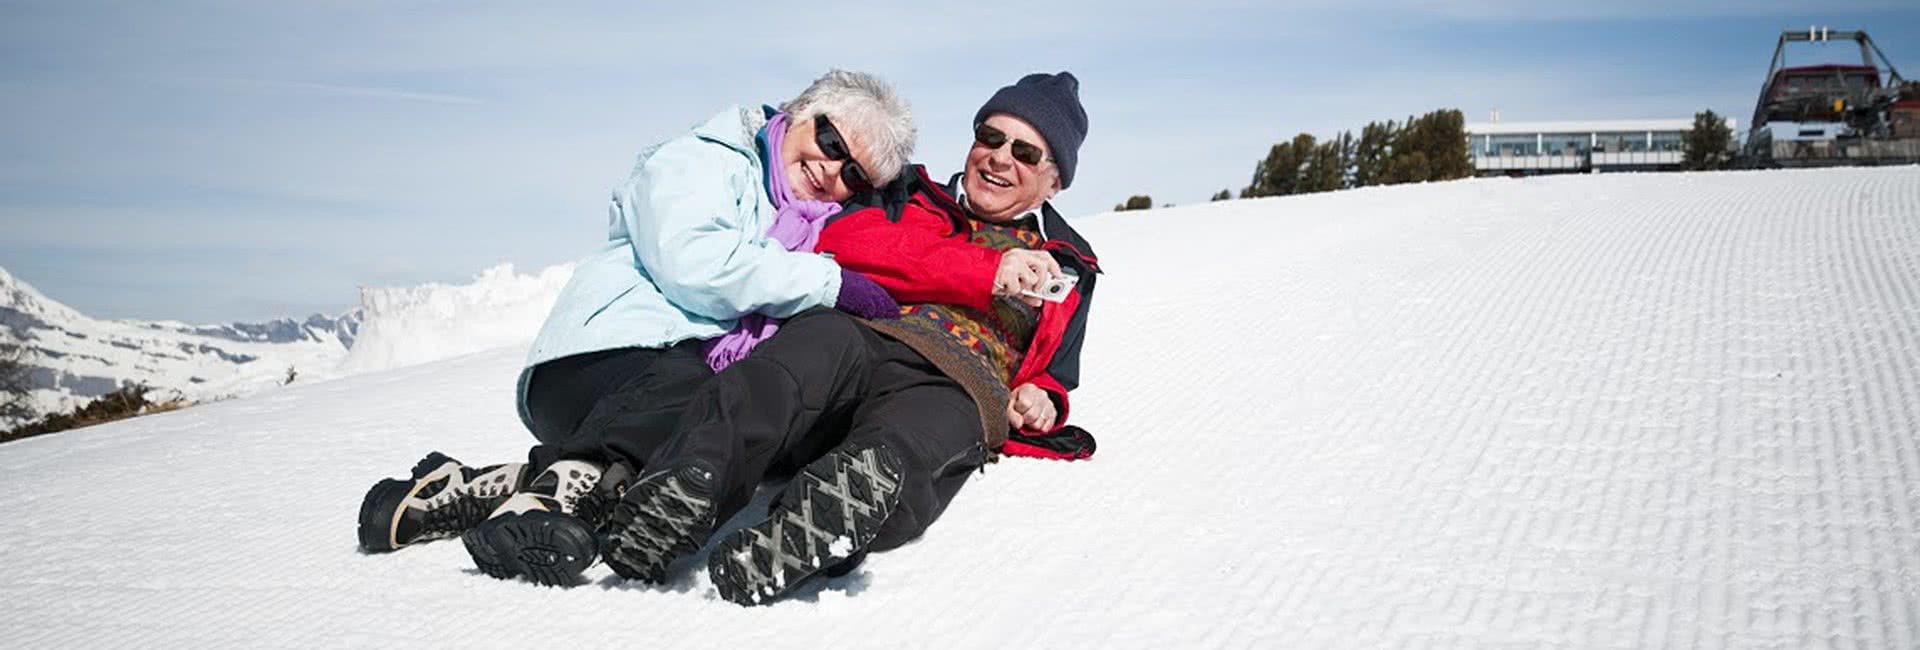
<point x="796" y="225"/>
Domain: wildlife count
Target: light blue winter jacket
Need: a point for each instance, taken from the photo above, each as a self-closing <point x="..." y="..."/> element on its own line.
<point x="686" y="254"/>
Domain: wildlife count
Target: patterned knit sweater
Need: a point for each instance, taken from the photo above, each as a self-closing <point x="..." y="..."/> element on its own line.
<point x="981" y="350"/>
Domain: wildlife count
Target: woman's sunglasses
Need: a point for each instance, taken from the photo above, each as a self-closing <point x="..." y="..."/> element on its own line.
<point x="835" y="148"/>
<point x="1023" y="151"/>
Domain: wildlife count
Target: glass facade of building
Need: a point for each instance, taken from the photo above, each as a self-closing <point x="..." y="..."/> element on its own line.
<point x="1512" y="145"/>
<point x="1521" y="148"/>
<point x="1565" y="144"/>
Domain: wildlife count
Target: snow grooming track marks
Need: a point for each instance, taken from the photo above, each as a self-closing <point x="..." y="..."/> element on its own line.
<point x="664" y="516"/>
<point x="1598" y="411"/>
<point x="832" y="510"/>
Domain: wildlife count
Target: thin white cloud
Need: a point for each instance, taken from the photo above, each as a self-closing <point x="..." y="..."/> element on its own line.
<point x="350" y="91"/>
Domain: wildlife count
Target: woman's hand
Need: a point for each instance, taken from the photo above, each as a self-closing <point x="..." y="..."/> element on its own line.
<point x="1024" y="270"/>
<point x="1030" y="408"/>
<point x="861" y="296"/>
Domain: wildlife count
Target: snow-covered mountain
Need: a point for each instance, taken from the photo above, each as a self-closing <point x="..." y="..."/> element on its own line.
<point x="75" y="358"/>
<point x="1614" y="411"/>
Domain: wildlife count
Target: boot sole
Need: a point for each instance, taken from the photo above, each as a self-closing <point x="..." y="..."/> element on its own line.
<point x="549" y="549"/>
<point x="831" y="511"/>
<point x="659" y="519"/>
<point x="380" y="509"/>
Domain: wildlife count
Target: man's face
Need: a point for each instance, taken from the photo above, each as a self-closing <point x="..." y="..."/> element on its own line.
<point x="1000" y="187"/>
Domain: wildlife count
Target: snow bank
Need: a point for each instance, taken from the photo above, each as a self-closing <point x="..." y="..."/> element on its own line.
<point x="413" y="325"/>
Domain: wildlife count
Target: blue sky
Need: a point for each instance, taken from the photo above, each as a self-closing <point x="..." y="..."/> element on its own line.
<point x="209" y="161"/>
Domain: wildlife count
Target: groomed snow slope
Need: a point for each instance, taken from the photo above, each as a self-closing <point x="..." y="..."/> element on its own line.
<point x="1598" y="411"/>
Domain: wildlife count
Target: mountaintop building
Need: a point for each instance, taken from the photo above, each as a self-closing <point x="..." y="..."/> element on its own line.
<point x="1529" y="148"/>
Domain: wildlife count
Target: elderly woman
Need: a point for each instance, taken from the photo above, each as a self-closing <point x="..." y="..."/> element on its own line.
<point x="887" y="418"/>
<point x="710" y="240"/>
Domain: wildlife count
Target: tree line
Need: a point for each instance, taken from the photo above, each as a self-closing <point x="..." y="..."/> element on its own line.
<point x="1431" y="147"/>
<point x="16" y="386"/>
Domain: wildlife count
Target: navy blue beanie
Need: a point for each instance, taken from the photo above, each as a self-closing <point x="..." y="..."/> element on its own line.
<point x="1051" y="103"/>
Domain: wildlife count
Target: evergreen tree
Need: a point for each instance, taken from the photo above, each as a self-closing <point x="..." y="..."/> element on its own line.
<point x="1370" y="153"/>
<point x="1708" y="143"/>
<point x="1279" y="174"/>
<point x="1408" y="167"/>
<point x="1222" y="196"/>
<point x="1303" y="148"/>
<point x="1347" y="145"/>
<point x="1446" y="146"/>
<point x="1323" y="172"/>
<point x="1411" y="139"/>
<point x="1135" y="202"/>
<point x="14" y="386"/>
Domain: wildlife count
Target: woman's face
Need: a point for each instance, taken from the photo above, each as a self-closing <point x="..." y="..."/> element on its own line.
<point x="1000" y="187"/>
<point x="813" y="174"/>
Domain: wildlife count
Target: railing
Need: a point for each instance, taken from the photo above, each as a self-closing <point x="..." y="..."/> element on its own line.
<point x="1575" y="162"/>
<point x="1492" y="163"/>
<point x="1793" y="153"/>
<point x="1637" y="158"/>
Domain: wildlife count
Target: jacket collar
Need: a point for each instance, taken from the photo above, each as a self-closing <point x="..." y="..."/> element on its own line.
<point x="958" y="191"/>
<point x="736" y="127"/>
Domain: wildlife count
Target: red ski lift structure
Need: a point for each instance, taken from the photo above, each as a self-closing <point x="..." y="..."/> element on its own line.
<point x="1875" y="123"/>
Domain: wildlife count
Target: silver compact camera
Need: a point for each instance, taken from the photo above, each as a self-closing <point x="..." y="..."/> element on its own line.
<point x="1056" y="288"/>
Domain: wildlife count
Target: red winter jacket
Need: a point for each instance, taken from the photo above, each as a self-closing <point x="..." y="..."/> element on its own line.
<point x="921" y="253"/>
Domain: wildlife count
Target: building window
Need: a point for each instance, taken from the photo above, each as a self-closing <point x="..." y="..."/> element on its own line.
<point x="1513" y="145"/>
<point x="1668" y="141"/>
<point x="1566" y="144"/>
<point x="1622" y="142"/>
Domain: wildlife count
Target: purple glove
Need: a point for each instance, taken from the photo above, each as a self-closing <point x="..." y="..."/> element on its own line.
<point x="863" y="297"/>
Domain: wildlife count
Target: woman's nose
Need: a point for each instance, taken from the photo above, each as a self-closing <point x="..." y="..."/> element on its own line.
<point x="831" y="169"/>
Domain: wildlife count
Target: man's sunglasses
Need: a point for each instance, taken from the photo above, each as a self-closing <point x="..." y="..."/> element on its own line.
<point x="1023" y="151"/>
<point x="835" y="148"/>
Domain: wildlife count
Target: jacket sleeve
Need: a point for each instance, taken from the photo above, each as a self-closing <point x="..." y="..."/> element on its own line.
<point x="918" y="260"/>
<point x="1062" y="371"/>
<point x="681" y="212"/>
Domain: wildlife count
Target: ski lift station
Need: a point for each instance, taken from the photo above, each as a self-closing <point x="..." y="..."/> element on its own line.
<point x="1828" y="114"/>
<point x="1528" y="148"/>
<point x="1815" y="114"/>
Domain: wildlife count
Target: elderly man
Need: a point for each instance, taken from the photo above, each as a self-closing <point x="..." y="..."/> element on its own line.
<point x="890" y="416"/>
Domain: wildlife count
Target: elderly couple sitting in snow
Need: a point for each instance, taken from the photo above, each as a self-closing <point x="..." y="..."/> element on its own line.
<point x="782" y="294"/>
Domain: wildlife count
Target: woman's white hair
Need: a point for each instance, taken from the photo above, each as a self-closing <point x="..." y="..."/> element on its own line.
<point x="861" y="103"/>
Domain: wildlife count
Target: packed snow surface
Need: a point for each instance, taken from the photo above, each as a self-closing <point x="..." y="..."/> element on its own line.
<point x="1674" y="410"/>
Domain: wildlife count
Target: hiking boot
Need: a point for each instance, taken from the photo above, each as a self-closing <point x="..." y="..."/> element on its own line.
<point x="665" y="515"/>
<point x="442" y="499"/>
<point x="545" y="531"/>
<point x="826" y="518"/>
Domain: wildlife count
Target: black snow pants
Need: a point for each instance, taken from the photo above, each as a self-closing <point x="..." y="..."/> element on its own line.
<point x="822" y="381"/>
<point x="612" y="405"/>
